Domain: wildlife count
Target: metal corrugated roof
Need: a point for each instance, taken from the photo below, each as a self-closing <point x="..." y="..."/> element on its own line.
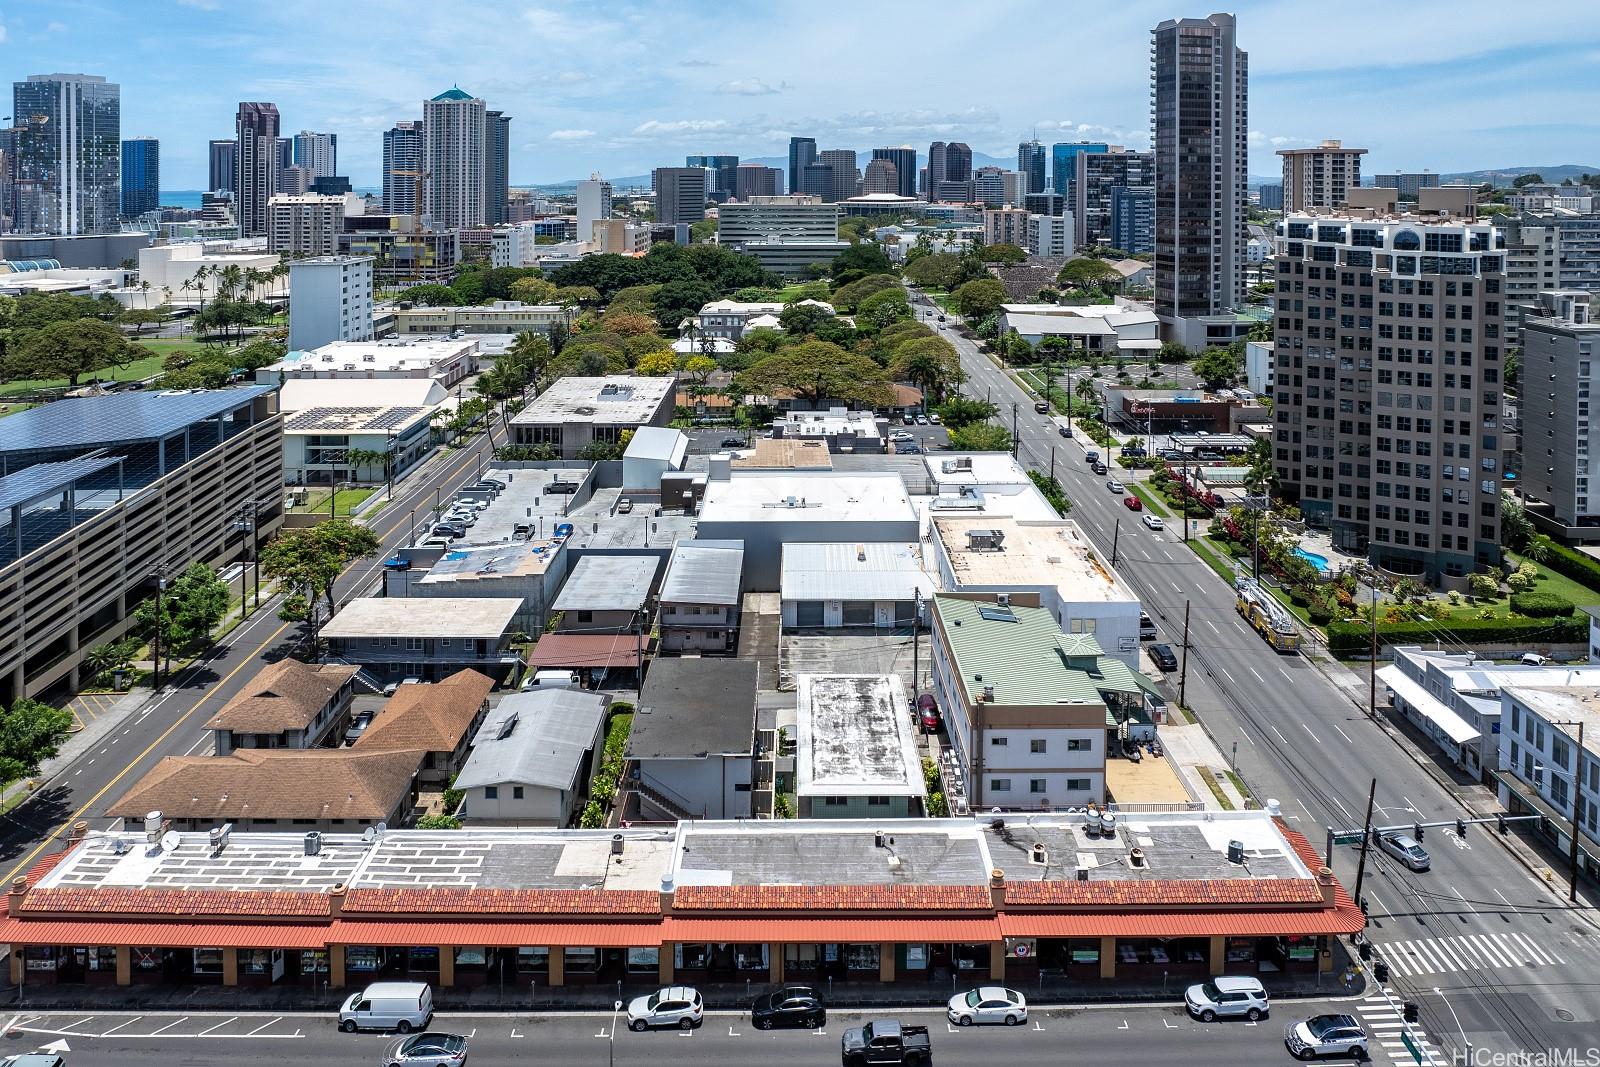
<point x="42" y="479"/>
<point x="545" y="745"/>
<point x="703" y="572"/>
<point x="608" y="583"/>
<point x="89" y="421"/>
<point x="866" y="571"/>
<point x="585" y="650"/>
<point x="1015" y="651"/>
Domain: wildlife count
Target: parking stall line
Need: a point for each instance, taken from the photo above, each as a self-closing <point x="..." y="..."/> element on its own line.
<point x="169" y="1026"/>
<point x="218" y="1026"/>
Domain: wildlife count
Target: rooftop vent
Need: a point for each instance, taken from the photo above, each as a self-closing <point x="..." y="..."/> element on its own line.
<point x="616" y="844"/>
<point x="313" y="843"/>
<point x="1039" y="855"/>
<point x="985" y="540"/>
<point x="1083" y="873"/>
<point x="506" y="727"/>
<point x="1236" y="852"/>
<point x="152" y="827"/>
<point x="219" y="835"/>
<point x="1136" y="859"/>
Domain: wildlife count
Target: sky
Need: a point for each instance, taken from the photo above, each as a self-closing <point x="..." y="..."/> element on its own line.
<point x="622" y="87"/>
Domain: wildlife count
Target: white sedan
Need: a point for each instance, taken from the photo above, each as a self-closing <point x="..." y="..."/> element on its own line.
<point x="1153" y="521"/>
<point x="988" y="1005"/>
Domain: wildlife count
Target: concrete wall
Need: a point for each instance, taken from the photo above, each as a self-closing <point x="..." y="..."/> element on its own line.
<point x="709" y="783"/>
<point x="859" y="808"/>
<point x="538" y="807"/>
<point x="764" y="541"/>
<point x="884" y="613"/>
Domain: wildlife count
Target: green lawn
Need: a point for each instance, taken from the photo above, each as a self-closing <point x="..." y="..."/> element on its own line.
<point x="1548" y="581"/>
<point x="139" y="368"/>
<point x="347" y="500"/>
<point x="943" y="299"/>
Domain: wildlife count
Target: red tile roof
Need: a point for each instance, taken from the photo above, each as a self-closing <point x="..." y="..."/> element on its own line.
<point x="1343" y="920"/>
<point x="472" y="901"/>
<point x="150" y="901"/>
<point x="1165" y="894"/>
<point x="824" y="929"/>
<point x="164" y="934"/>
<point x="833" y="897"/>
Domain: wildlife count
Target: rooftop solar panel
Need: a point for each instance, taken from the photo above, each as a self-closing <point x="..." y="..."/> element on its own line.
<point x="93" y="421"/>
<point x="42" y="478"/>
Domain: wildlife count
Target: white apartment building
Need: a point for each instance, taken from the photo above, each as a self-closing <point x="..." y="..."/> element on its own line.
<point x="307" y="224"/>
<point x="1547" y="772"/>
<point x="330" y="299"/>
<point x="1050" y="235"/>
<point x="594" y="205"/>
<point x="444" y="360"/>
<point x="515" y="246"/>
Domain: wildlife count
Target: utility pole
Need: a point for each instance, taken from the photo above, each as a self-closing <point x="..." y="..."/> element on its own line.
<point x="1069" y="400"/>
<point x="1052" y="463"/>
<point x="1016" y="445"/>
<point x="1116" y="534"/>
<point x="1372" y="663"/>
<point x="1577" y="817"/>
<point x="1183" y="496"/>
<point x="1255" y="548"/>
<point x="1366" y="842"/>
<point x="1183" y="668"/>
<point x="916" y="664"/>
<point x="155" y="641"/>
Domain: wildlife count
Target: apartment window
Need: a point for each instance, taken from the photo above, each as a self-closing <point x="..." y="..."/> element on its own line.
<point x="491" y="792"/>
<point x="999" y="742"/>
<point x="835" y="802"/>
<point x="1036" y="745"/>
<point x="877" y="802"/>
<point x="1000" y="785"/>
<point x="1077" y="785"/>
<point x="1080" y="745"/>
<point x="1036" y="786"/>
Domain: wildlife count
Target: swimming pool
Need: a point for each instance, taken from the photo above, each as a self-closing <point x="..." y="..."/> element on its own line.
<point x="1317" y="560"/>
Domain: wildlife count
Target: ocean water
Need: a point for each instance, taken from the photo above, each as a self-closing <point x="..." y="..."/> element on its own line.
<point x="190" y="198"/>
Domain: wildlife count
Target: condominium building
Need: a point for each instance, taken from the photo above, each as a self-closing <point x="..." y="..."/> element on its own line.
<point x="1389" y="343"/>
<point x="317" y="152"/>
<point x="224" y="155"/>
<point x="497" y="164"/>
<point x="1031" y="165"/>
<point x="721" y="178"/>
<point x="904" y="159"/>
<point x="106" y="496"/>
<point x="256" y="165"/>
<point x="330" y="299"/>
<point x="456" y="152"/>
<point x="1270" y="196"/>
<point x="754" y="179"/>
<point x="1098" y="175"/>
<point x="680" y="194"/>
<point x="308" y="224"/>
<point x="1063" y="165"/>
<point x="1046" y="204"/>
<point x="846" y="175"/>
<point x="1556" y="249"/>
<point x="802" y="154"/>
<point x="1050" y="235"/>
<point x="882" y="177"/>
<point x="1560" y="371"/>
<point x="947" y="163"/>
<point x="1005" y="226"/>
<point x="786" y="234"/>
<point x="1133" y="219"/>
<point x="994" y="187"/>
<point x="594" y="205"/>
<point x="68" y="154"/>
<point x="1318" y="177"/>
<point x="1199" y="116"/>
<point x="817" y="180"/>
<point x="402" y="255"/>
<point x="141" y="176"/>
<point x="1409" y="184"/>
<point x="402" y="164"/>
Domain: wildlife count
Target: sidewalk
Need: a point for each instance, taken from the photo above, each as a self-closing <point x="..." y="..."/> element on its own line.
<point x="1199" y="760"/>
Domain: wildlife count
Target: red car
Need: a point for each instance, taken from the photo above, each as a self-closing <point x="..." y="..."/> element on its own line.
<point x="928" y="714"/>
<point x="1133" y="503"/>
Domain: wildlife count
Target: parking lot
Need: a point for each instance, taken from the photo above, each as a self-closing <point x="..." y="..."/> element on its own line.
<point x="852" y="652"/>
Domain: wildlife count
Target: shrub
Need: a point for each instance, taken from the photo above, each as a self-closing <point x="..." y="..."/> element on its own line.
<point x="1347" y="639"/>
<point x="1540" y="605"/>
<point x="1321" y="613"/>
<point x="1483" y="586"/>
<point x="1574" y="565"/>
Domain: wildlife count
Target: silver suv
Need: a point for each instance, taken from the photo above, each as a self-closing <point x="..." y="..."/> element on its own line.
<point x="1227" y="997"/>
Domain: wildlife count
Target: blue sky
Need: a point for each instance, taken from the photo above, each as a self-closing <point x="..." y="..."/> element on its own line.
<point x="621" y="87"/>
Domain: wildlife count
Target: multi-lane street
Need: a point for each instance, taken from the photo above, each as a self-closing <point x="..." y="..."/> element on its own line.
<point x="172" y="722"/>
<point x="1494" y="956"/>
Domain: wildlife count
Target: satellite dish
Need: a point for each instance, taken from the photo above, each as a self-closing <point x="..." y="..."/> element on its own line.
<point x="170" y="841"/>
<point x="370" y="834"/>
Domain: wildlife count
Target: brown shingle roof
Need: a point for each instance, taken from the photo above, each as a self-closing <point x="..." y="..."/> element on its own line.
<point x="833" y="897"/>
<point x="282" y="696"/>
<point x="433" y="718"/>
<point x="276" y="783"/>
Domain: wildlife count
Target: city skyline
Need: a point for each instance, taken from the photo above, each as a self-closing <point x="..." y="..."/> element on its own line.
<point x="1476" y="100"/>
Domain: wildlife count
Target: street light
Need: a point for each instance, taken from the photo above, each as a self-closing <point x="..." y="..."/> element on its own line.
<point x="1577" y="802"/>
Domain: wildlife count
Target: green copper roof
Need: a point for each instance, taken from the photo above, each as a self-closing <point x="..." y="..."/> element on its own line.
<point x="454" y="93"/>
<point x="1017" y="652"/>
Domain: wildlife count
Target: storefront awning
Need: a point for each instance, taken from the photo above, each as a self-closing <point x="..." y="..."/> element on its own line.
<point x="163" y="935"/>
<point x="585" y="650"/>
<point x="814" y="930"/>
<point x="1345" y="919"/>
<point x="1427" y="705"/>
<point x="496" y="935"/>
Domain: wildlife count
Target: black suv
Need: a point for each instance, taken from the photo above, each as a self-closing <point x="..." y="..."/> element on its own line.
<point x="1162" y="654"/>
<point x="794" y="1005"/>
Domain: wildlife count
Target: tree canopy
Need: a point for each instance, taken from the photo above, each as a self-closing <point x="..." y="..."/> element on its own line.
<point x="941" y="270"/>
<point x="67" y="348"/>
<point x="1002" y="253"/>
<point x="1087" y="272"/>
<point x="1216" y="367"/>
<point x="849" y="296"/>
<point x="961" y="411"/>
<point x="981" y="298"/>
<point x="815" y="371"/>
<point x="981" y="437"/>
<point x="859" y="260"/>
<point x="930" y="363"/>
<point x="308" y="561"/>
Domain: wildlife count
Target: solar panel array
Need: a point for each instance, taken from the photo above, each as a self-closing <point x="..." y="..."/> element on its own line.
<point x="93" y="421"/>
<point x="354" y="420"/>
<point x="40" y="479"/>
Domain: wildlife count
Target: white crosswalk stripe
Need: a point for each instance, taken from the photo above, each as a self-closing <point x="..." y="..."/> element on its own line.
<point x="1465" y="952"/>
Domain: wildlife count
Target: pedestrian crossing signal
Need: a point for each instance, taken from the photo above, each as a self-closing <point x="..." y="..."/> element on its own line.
<point x="1380" y="971"/>
<point x="1411" y="1011"/>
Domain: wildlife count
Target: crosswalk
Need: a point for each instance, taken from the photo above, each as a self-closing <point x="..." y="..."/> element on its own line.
<point x="1380" y="1017"/>
<point x="1465" y="952"/>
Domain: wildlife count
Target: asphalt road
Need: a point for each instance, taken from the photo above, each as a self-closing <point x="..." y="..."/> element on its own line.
<point x="1514" y="966"/>
<point x="1144" y="1035"/>
<point x="172" y="723"/>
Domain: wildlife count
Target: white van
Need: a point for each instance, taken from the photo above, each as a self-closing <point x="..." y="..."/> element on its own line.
<point x="402" y="1006"/>
<point x="551" y="680"/>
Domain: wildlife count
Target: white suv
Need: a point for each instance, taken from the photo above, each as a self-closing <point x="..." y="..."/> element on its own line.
<point x="1326" y="1035"/>
<point x="1227" y="997"/>
<point x="677" y="1005"/>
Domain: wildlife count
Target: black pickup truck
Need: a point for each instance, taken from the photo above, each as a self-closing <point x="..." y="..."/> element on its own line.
<point x="886" y="1041"/>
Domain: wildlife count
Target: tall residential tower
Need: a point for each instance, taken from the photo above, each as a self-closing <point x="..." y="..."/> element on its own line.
<point x="69" y="153"/>
<point x="455" y="149"/>
<point x="255" y="177"/>
<point x="402" y="163"/>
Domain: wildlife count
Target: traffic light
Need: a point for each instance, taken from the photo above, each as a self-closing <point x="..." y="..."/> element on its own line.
<point x="1380" y="971"/>
<point x="1500" y="820"/>
<point x="1365" y="950"/>
<point x="1411" y="1012"/>
<point x="1461" y="828"/>
<point x="1416" y="832"/>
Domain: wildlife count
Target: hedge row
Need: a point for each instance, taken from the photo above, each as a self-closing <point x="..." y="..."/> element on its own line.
<point x="1349" y="639"/>
<point x="1541" y="605"/>
<point x="1575" y="565"/>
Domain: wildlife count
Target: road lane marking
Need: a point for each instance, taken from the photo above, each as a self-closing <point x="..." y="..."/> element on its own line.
<point x="119" y="1026"/>
<point x="262" y="1027"/>
<point x="169" y="1026"/>
<point x="1342" y="807"/>
<point x="1342" y="734"/>
<point x="1463" y="899"/>
<point x="1314" y="737"/>
<point x="1213" y="626"/>
<point x="1253" y="671"/>
<point x="1279" y="732"/>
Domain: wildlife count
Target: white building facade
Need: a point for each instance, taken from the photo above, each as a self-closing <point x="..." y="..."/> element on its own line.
<point x="330" y="299"/>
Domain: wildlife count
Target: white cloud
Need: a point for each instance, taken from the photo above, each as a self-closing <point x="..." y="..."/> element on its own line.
<point x="570" y="135"/>
<point x="202" y="5"/>
<point x="752" y="87"/>
<point x="4" y="33"/>
<point x="655" y="127"/>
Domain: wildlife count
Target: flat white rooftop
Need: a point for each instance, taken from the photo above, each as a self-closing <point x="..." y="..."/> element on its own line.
<point x="975" y="468"/>
<point x="476" y="617"/>
<point x="373" y="356"/>
<point x="854" y="737"/>
<point x="875" y="570"/>
<point x="1028" y="554"/>
<point x="817" y="496"/>
<point x="616" y="399"/>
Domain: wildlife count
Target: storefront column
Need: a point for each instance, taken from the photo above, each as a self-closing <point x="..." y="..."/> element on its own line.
<point x="16" y="964"/>
<point x="664" y="964"/>
<point x="775" y="963"/>
<point x="447" y="966"/>
<point x="336" y="966"/>
<point x="997" y="961"/>
<point x="886" y="961"/>
<point x="230" y="966"/>
<point x="1108" y="957"/>
<point x="1219" y="954"/>
<point x="558" y="965"/>
<point x="124" y="965"/>
<point x="1325" y="954"/>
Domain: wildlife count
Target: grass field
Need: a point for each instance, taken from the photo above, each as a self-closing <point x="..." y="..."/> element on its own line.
<point x="139" y="368"/>
<point x="343" y="505"/>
